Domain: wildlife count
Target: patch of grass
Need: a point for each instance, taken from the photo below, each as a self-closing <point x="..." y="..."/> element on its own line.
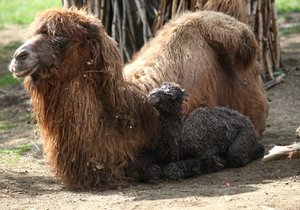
<point x="8" y="79"/>
<point x="287" y="6"/>
<point x="6" y="126"/>
<point x="6" y="53"/>
<point x="10" y="47"/>
<point x="23" y="12"/>
<point x="13" y="154"/>
<point x="278" y="72"/>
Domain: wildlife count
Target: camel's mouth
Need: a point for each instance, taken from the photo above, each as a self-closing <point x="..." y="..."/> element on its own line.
<point x="26" y="72"/>
<point x="25" y="61"/>
<point x="152" y="99"/>
<point x="21" y="72"/>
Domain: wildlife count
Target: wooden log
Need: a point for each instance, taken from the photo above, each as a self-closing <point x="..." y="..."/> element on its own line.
<point x="130" y="21"/>
<point x="276" y="36"/>
<point x="192" y="5"/>
<point x="267" y="61"/>
<point x="90" y="7"/>
<point x="102" y="7"/>
<point x="142" y="12"/>
<point x="179" y="8"/>
<point x="283" y="152"/>
<point x="124" y="33"/>
<point x="271" y="50"/>
<point x="97" y="8"/>
<point x="114" y="20"/>
<point x="260" y="33"/>
<point x="184" y="6"/>
<point x="174" y="8"/>
<point x="250" y="18"/>
<point x="253" y="22"/>
<point x="106" y="22"/>
<point x="277" y="80"/>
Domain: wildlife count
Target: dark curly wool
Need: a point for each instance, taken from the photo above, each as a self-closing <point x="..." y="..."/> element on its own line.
<point x="223" y="133"/>
<point x="168" y="101"/>
<point x="209" y="140"/>
<point x="148" y="164"/>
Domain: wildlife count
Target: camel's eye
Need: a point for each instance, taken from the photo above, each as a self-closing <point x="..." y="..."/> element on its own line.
<point x="43" y="31"/>
<point x="61" y="43"/>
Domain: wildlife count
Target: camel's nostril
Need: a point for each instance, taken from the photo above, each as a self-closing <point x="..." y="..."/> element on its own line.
<point x="22" y="55"/>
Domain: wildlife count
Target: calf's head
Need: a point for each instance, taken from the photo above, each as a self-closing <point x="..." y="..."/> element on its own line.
<point x="168" y="98"/>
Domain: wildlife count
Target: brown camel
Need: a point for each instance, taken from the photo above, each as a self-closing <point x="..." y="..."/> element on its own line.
<point x="92" y="114"/>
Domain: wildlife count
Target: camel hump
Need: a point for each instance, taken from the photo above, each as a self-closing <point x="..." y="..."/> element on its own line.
<point x="232" y="40"/>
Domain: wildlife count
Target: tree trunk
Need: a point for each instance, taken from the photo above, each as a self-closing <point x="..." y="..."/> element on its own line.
<point x="76" y="3"/>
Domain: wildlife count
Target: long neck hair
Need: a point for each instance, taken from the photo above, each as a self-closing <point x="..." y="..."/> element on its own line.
<point x="92" y="122"/>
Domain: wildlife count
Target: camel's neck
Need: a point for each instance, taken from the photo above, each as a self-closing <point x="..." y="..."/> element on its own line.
<point x="170" y="120"/>
<point x="85" y="125"/>
<point x="172" y="112"/>
<point x="82" y="100"/>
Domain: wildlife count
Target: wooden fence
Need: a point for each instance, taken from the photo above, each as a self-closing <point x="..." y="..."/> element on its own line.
<point x="133" y="22"/>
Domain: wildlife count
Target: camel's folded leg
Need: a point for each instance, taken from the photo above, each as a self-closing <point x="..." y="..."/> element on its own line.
<point x="192" y="167"/>
<point x="283" y="152"/>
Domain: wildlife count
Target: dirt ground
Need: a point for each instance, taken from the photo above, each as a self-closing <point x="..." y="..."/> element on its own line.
<point x="28" y="182"/>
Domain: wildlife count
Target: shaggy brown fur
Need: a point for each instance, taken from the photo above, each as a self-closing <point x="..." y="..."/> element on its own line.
<point x="212" y="56"/>
<point x="87" y="117"/>
<point x="234" y="8"/>
<point x="93" y="121"/>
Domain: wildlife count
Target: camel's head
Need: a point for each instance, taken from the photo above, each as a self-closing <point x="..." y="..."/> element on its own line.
<point x="168" y="98"/>
<point x="61" y="42"/>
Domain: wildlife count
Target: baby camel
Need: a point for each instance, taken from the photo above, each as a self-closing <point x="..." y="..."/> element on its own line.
<point x="208" y="140"/>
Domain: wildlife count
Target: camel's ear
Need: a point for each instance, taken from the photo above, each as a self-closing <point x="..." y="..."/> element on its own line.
<point x="109" y="50"/>
<point x="95" y="49"/>
<point x="171" y="93"/>
<point x="92" y="29"/>
<point x="180" y="93"/>
<point x="174" y="94"/>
